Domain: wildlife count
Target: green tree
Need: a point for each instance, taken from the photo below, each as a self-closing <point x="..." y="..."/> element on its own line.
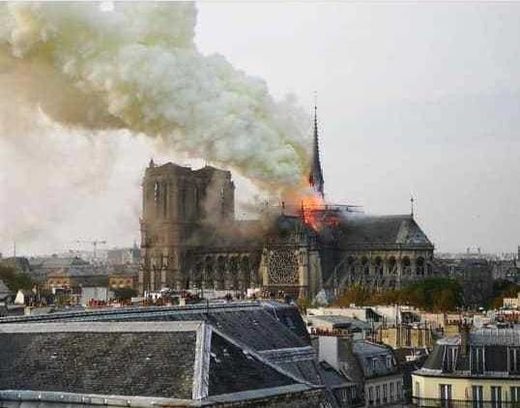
<point x="123" y="294"/>
<point x="15" y="280"/>
<point x="435" y="294"/>
<point x="502" y="289"/>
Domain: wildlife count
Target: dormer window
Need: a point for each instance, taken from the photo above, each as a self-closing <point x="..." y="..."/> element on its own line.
<point x="388" y="361"/>
<point x="477" y="360"/>
<point x="450" y="359"/>
<point x="513" y="357"/>
<point x="374" y="363"/>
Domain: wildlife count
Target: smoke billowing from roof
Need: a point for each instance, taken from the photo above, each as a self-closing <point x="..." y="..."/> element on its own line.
<point x="136" y="66"/>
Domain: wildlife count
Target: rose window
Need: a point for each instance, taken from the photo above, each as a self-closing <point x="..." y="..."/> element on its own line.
<point x="283" y="267"/>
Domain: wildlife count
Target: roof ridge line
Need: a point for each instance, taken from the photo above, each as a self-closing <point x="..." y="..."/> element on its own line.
<point x="200" y="388"/>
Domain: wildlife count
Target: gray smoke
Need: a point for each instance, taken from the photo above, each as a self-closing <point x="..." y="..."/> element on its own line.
<point x="136" y="66"/>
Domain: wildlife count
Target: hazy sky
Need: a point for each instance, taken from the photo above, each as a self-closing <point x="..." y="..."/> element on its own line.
<point x="419" y="99"/>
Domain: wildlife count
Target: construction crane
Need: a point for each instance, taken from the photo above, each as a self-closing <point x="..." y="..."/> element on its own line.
<point x="94" y="244"/>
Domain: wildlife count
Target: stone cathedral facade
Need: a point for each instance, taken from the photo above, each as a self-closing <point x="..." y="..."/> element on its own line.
<point x="190" y="239"/>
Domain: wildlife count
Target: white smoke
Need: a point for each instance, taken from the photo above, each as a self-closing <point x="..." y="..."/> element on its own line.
<point x="136" y="66"/>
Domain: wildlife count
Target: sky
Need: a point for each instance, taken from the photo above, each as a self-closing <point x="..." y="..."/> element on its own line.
<point x="417" y="99"/>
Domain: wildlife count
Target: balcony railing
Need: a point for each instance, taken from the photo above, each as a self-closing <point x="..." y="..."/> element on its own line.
<point x="438" y="403"/>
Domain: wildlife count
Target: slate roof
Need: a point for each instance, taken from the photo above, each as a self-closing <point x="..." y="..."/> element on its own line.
<point x="98" y="359"/>
<point x="360" y="231"/>
<point x="233" y="370"/>
<point x="373" y="358"/>
<point x="333" y="378"/>
<point x="273" y="331"/>
<point x="493" y="342"/>
<point x="181" y="361"/>
<point x="57" y="262"/>
<point x="256" y="323"/>
<point x="75" y="271"/>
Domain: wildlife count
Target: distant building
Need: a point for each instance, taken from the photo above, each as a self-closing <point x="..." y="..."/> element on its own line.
<point x="97" y="294"/>
<point x="339" y="326"/>
<point x="74" y="278"/>
<point x="120" y="281"/>
<point x="363" y="313"/>
<point x="42" y="267"/>
<point x="405" y="336"/>
<point x="440" y="321"/>
<point x="474" y="274"/>
<point x="507" y="270"/>
<point x="123" y="276"/>
<point x="477" y="369"/>
<point x="512" y="303"/>
<point x="123" y="256"/>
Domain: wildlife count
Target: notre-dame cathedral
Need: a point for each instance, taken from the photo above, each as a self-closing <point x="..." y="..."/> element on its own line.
<point x="190" y="239"/>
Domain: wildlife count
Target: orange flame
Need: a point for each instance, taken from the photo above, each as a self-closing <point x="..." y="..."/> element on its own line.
<point x="305" y="201"/>
<point x="311" y="204"/>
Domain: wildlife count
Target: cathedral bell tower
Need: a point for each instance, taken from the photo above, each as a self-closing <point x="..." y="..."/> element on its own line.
<point x="177" y="201"/>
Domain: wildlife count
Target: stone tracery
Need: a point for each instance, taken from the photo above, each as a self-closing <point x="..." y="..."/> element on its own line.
<point x="283" y="266"/>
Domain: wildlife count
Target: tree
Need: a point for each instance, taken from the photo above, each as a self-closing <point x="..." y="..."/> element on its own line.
<point x="502" y="289"/>
<point x="357" y="295"/>
<point x="434" y="294"/>
<point x="15" y="280"/>
<point x="124" y="294"/>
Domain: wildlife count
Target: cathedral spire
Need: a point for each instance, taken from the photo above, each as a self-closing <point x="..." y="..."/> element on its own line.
<point x="316" y="174"/>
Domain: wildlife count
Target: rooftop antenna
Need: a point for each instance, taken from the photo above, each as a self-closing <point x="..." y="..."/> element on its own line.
<point x="411" y="205"/>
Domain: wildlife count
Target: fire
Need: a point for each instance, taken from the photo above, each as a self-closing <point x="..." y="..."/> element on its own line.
<point x="310" y="206"/>
<point x="307" y="203"/>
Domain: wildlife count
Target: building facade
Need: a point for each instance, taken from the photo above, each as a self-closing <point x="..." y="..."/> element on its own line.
<point x="477" y="369"/>
<point x="371" y="367"/>
<point x="406" y="336"/>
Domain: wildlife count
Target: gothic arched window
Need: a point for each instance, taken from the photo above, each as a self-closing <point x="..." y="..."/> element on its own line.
<point x="156" y="191"/>
<point x="378" y="266"/>
<point x="392" y="266"/>
<point x="365" y="267"/>
<point x="407" y="268"/>
<point x="208" y="271"/>
<point x="419" y="266"/>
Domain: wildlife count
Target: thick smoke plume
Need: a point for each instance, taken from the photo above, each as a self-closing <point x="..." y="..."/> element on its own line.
<point x="136" y="66"/>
